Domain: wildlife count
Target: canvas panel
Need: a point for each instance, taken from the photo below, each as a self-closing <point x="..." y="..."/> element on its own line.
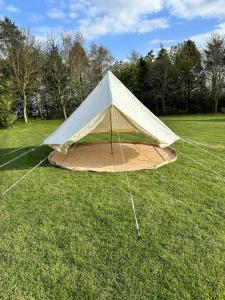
<point x="90" y="110"/>
<point x="115" y="119"/>
<point x="138" y="115"/>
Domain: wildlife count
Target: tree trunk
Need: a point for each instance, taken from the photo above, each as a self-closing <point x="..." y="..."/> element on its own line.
<point x="25" y="117"/>
<point x="81" y="89"/>
<point x="64" y="111"/>
<point x="156" y="106"/>
<point x="40" y="112"/>
<point x="188" y="94"/>
<point x="163" y="103"/>
<point x="216" y="102"/>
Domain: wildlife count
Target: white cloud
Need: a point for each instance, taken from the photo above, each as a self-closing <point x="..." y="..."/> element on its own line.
<point x="35" y="17"/>
<point x="12" y="8"/>
<point x="56" y="13"/>
<point x="73" y="15"/>
<point x="108" y="25"/>
<point x="202" y="38"/>
<point x="100" y="17"/>
<point x="196" y="8"/>
<point x="159" y="41"/>
<point x="42" y="32"/>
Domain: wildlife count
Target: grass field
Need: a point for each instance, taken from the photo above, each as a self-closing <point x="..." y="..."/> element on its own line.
<point x="71" y="235"/>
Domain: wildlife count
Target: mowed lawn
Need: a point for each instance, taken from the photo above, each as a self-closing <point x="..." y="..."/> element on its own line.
<point x="71" y="235"/>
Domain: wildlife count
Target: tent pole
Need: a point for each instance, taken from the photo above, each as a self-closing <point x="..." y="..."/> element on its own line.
<point x="111" y="131"/>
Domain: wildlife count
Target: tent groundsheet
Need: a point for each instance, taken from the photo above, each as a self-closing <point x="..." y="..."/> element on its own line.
<point x="97" y="157"/>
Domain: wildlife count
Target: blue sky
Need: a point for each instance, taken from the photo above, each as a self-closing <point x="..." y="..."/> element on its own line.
<point x="121" y="25"/>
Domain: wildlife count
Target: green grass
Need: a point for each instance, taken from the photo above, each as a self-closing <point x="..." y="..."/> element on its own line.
<point x="71" y="235"/>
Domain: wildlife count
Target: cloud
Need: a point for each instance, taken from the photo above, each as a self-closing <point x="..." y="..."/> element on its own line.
<point x="100" y="17"/>
<point x="196" y="8"/>
<point x="56" y="13"/>
<point x="159" y="41"/>
<point x="73" y="15"/>
<point x="201" y="39"/>
<point x="42" y="32"/>
<point x="12" y="8"/>
<point x="35" y="17"/>
<point x="108" y="25"/>
<point x="96" y="18"/>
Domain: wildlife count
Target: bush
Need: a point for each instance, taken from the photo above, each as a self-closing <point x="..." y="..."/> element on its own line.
<point x="7" y="118"/>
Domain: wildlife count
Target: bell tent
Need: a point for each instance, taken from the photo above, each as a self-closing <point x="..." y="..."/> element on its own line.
<point x="111" y="108"/>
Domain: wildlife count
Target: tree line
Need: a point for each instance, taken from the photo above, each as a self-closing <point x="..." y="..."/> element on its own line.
<point x="50" y="79"/>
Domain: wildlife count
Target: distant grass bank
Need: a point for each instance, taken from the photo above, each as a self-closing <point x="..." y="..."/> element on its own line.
<point x="71" y="235"/>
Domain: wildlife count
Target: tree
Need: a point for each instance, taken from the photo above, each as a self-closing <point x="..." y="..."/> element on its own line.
<point x="162" y="72"/>
<point x="100" y="61"/>
<point x="145" y="80"/>
<point x="10" y="35"/>
<point x="188" y="64"/>
<point x="134" y="56"/>
<point x="24" y="64"/>
<point x="76" y="60"/>
<point x="127" y="72"/>
<point x="7" y="118"/>
<point x="215" y="67"/>
<point x="55" y="75"/>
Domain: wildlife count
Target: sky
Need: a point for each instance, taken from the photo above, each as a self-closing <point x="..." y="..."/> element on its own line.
<point x="121" y="25"/>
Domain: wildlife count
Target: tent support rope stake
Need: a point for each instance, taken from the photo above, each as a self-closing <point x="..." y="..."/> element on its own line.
<point x="21" y="178"/>
<point x="131" y="196"/>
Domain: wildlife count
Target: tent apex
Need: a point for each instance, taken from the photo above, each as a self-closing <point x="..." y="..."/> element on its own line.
<point x="109" y="73"/>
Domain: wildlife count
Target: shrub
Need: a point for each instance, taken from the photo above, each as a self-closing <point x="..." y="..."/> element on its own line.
<point x="7" y="118"/>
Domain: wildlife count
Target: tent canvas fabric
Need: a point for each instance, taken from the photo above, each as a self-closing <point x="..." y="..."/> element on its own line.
<point x="110" y="106"/>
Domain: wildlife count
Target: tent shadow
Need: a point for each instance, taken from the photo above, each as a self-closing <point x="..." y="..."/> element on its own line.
<point x="27" y="161"/>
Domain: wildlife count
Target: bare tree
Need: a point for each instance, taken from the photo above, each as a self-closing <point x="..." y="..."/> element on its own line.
<point x="162" y="72"/>
<point x="134" y="56"/>
<point x="24" y="64"/>
<point x="76" y="61"/>
<point x="100" y="61"/>
<point x="215" y="67"/>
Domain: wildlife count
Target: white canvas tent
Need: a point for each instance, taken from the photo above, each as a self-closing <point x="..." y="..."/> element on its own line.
<point x="110" y="107"/>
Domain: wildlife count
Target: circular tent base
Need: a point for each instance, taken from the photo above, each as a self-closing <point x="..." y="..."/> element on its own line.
<point x="98" y="157"/>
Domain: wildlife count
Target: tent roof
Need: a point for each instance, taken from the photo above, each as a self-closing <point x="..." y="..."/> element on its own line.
<point x="110" y="100"/>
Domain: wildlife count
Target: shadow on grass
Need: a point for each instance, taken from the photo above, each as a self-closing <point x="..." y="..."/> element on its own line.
<point x="27" y="161"/>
